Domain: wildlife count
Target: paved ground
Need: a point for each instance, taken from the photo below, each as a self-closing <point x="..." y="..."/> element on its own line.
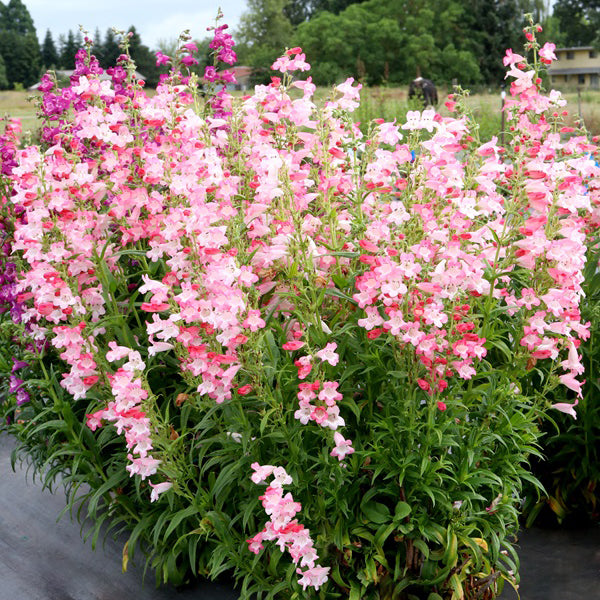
<point x="42" y="559"/>
<point x="559" y="565"/>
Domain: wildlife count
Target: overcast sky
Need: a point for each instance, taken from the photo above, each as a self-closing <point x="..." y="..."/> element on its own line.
<point x="154" y="20"/>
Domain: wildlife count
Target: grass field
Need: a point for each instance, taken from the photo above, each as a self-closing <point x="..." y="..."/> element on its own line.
<point x="389" y="103"/>
<point x="386" y="103"/>
<point x="16" y="104"/>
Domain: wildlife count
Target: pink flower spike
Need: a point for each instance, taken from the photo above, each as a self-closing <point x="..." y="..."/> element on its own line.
<point x="314" y="577"/>
<point x="280" y="477"/>
<point x="189" y="60"/>
<point x="152" y="307"/>
<point x="95" y="420"/>
<point x="161" y="59"/>
<point x="293" y="345"/>
<point x="255" y="543"/>
<point x="116" y="352"/>
<point x="511" y="58"/>
<point x="142" y="466"/>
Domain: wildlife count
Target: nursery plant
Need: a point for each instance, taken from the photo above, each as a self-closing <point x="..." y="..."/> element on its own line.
<point x="267" y="344"/>
<point x="569" y="468"/>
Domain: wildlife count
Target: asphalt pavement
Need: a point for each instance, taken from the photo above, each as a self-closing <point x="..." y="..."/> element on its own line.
<point x="45" y="559"/>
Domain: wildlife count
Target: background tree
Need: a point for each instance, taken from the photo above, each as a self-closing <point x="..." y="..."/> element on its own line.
<point x="78" y="39"/>
<point x="390" y="40"/>
<point x="144" y="59"/>
<point x="332" y="6"/>
<point x="263" y="34"/>
<point x="493" y="26"/>
<point x="323" y="37"/>
<point x="17" y="18"/>
<point x="393" y="40"/>
<point x="3" y="80"/>
<point x="167" y="46"/>
<point x="298" y="11"/>
<point x="578" y="22"/>
<point x="19" y="46"/>
<point x="110" y="50"/>
<point x="50" y="58"/>
<point x="97" y="45"/>
<point x="68" y="49"/>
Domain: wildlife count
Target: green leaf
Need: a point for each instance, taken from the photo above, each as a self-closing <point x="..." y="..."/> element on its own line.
<point x="338" y="294"/>
<point x="114" y="481"/>
<point x="178" y="517"/>
<point x="423" y="547"/>
<point x="376" y="512"/>
<point x="356" y="591"/>
<point x="402" y="510"/>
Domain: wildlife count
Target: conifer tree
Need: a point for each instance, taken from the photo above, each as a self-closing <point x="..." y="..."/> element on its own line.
<point x="144" y="59"/>
<point x="67" y="51"/>
<point x="17" y="18"/>
<point x="97" y="49"/>
<point x="50" y="58"/>
<point x="3" y="80"/>
<point x="110" y="49"/>
<point x="19" y="46"/>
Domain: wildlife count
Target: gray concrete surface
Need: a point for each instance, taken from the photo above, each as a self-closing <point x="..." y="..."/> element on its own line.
<point x="42" y="559"/>
<point x="558" y="564"/>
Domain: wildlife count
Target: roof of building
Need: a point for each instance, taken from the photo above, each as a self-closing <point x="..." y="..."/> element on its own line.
<point x="241" y="70"/>
<point x="576" y="48"/>
<point x="575" y="71"/>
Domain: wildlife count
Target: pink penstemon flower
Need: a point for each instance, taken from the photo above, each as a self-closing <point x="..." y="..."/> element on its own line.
<point x="293" y="345"/>
<point x="328" y="354"/>
<point x="547" y="53"/>
<point x="342" y="448"/>
<point x="284" y="529"/>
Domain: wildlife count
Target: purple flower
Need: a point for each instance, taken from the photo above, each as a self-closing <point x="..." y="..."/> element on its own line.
<point x="228" y="76"/>
<point x="14" y="384"/>
<point x="188" y="60"/>
<point x="210" y="74"/>
<point x="162" y="59"/>
<point x="46" y="83"/>
<point x="18" y="364"/>
<point x="227" y="55"/>
<point x="22" y="396"/>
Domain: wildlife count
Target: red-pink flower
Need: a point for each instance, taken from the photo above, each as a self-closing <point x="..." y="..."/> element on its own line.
<point x="293" y="345"/>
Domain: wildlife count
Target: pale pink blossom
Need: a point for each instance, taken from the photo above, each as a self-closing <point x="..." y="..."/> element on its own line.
<point x="342" y="448"/>
<point x="158" y="489"/>
<point x="328" y="354"/>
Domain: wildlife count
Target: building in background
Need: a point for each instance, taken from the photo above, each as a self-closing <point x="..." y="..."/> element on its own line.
<point x="576" y="67"/>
